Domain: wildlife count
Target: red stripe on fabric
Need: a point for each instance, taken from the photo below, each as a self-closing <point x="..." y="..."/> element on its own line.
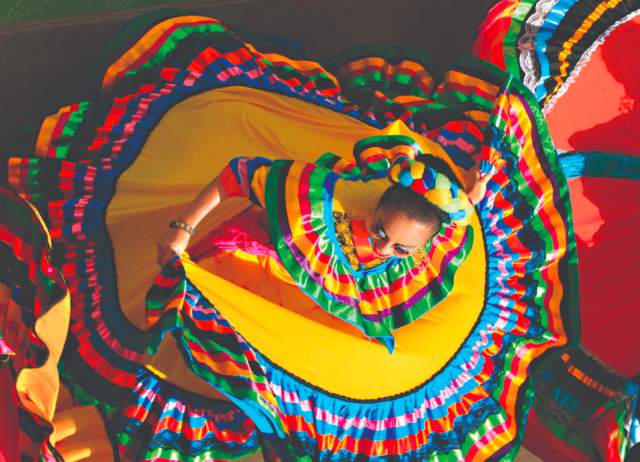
<point x="160" y="41"/>
<point x="56" y="133"/>
<point x="492" y="32"/>
<point x="115" y="115"/>
<point x="391" y="446"/>
<point x="469" y="90"/>
<point x="213" y="325"/>
<point x="309" y="231"/>
<point x="181" y="427"/>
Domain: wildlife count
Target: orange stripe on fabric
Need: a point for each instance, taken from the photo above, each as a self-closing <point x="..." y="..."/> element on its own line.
<point x="46" y="132"/>
<point x="404" y="67"/>
<point x="305" y="67"/>
<point x="219" y="362"/>
<point x="384" y="66"/>
<point x="146" y="42"/>
<point x="389" y="447"/>
<point x="495" y="440"/>
<point x="305" y="242"/>
<point x="481" y="117"/>
<point x="409" y="100"/>
<point x="538" y="182"/>
<point x="567" y="46"/>
<point x="473" y="84"/>
<point x="555" y="221"/>
<point x="259" y="183"/>
<point x="414" y="282"/>
<point x="585" y="379"/>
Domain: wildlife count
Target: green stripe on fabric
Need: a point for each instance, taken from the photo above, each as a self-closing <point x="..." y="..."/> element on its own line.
<point x="70" y="130"/>
<point x="433" y="297"/>
<point x="459" y="98"/>
<point x="570" y="302"/>
<point x="385" y="51"/>
<point x="486" y="428"/>
<point x="509" y="48"/>
<point x="83" y="396"/>
<point x="133" y="30"/>
<point x="569" y="306"/>
<point x="170" y="454"/>
<point x="172" y="41"/>
<point x="277" y="180"/>
<point x="246" y="397"/>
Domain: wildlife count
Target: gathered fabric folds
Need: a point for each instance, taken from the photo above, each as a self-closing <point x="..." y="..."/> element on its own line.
<point x="225" y="350"/>
<point x="34" y="317"/>
<point x="578" y="59"/>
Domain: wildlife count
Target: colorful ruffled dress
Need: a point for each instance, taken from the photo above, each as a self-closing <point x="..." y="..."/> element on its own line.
<point x="307" y="203"/>
<point x="267" y="336"/>
<point x="581" y="61"/>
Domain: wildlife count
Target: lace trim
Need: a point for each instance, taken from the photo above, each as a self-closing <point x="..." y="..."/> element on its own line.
<point x="526" y="44"/>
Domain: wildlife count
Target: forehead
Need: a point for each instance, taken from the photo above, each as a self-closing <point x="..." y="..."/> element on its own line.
<point x="403" y="230"/>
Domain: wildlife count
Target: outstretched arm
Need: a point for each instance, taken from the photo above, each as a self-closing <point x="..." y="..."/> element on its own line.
<point x="479" y="187"/>
<point x="175" y="241"/>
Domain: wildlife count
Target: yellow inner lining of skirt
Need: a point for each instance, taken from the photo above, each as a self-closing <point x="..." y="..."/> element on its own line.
<point x="188" y="148"/>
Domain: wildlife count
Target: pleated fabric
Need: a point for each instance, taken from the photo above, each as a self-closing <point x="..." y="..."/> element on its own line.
<point x="472" y="405"/>
<point x="578" y="59"/>
<point x="34" y="318"/>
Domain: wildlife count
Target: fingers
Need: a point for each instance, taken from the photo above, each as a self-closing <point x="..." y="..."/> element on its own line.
<point x="164" y="254"/>
<point x="495" y="168"/>
<point x="486" y="177"/>
<point x="172" y="244"/>
<point x="163" y="259"/>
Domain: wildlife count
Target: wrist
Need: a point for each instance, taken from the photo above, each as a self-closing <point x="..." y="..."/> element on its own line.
<point x="183" y="225"/>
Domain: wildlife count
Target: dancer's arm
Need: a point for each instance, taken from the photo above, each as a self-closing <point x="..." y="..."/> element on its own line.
<point x="175" y="241"/>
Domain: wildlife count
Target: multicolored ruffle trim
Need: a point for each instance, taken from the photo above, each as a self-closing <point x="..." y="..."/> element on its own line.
<point x="162" y="422"/>
<point x="473" y="408"/>
<point x="30" y="287"/>
<point x="542" y="42"/>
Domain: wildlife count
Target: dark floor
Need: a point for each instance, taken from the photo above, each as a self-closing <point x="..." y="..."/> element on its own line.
<point x="49" y="64"/>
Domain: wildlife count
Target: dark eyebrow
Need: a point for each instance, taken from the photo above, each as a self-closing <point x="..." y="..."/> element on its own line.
<point x="379" y="223"/>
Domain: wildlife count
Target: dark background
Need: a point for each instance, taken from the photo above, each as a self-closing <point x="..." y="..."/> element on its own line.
<point x="49" y="48"/>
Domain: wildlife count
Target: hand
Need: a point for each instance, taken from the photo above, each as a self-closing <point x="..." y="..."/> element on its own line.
<point x="479" y="188"/>
<point x="172" y="243"/>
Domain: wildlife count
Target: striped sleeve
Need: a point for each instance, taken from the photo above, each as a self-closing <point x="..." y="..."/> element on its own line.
<point x="246" y="177"/>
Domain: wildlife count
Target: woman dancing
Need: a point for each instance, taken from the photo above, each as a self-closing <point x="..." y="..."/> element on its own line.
<point x="421" y="201"/>
<point x="260" y="335"/>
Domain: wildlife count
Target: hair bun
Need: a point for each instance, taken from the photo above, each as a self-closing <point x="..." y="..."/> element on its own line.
<point x="399" y="157"/>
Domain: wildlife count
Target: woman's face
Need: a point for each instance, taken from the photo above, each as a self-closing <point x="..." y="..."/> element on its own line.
<point x="394" y="234"/>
